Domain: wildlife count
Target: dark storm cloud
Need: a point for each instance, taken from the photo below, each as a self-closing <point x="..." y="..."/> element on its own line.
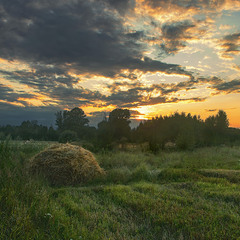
<point x="160" y="100"/>
<point x="85" y="35"/>
<point x="230" y="45"/>
<point x="60" y="90"/>
<point x="214" y="83"/>
<point x="5" y="91"/>
<point x="183" y="4"/>
<point x="8" y="94"/>
<point x="175" y="35"/>
<point x="57" y="87"/>
<point x="140" y="95"/>
<point x="75" y="96"/>
<point x="147" y="64"/>
<point x="131" y="76"/>
<point x="14" y="115"/>
<point x="125" y="98"/>
<point x="121" y="6"/>
<point x="116" y="86"/>
<point x="229" y="87"/>
<point x="43" y="79"/>
<point x="210" y="80"/>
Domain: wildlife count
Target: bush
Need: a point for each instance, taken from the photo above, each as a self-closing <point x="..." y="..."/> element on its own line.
<point x="141" y="173"/>
<point x="5" y="154"/>
<point x="2" y="136"/>
<point x="119" y="175"/>
<point x="89" y="146"/>
<point x="67" y="136"/>
<point x="185" y="141"/>
<point x="154" y="147"/>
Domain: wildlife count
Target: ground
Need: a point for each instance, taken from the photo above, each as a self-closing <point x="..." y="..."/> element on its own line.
<point x="170" y="195"/>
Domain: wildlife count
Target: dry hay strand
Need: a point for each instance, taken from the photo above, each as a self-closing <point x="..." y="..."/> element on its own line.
<point x="65" y="164"/>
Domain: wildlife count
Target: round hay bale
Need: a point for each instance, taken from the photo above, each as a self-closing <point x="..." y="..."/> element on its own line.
<point x="65" y="164"/>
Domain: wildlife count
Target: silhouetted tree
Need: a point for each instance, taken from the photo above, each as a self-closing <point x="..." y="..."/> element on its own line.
<point x="115" y="129"/>
<point x="74" y="120"/>
<point x="222" y="122"/>
<point x="216" y="128"/>
<point x="184" y="130"/>
<point x="104" y="134"/>
<point x="52" y="134"/>
<point x="71" y="120"/>
<point x="30" y="130"/>
<point x="119" y="123"/>
<point x="119" y="114"/>
<point x="60" y="119"/>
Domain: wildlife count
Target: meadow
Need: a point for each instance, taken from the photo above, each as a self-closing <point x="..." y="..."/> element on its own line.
<point x="170" y="195"/>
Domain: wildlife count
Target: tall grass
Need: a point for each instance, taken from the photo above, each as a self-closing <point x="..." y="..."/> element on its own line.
<point x="20" y="195"/>
<point x="171" y="195"/>
<point x="212" y="157"/>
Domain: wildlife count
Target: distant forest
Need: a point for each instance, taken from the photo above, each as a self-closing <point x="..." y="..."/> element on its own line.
<point x="179" y="130"/>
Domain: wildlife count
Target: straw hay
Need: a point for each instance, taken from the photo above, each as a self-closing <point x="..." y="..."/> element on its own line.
<point x="65" y="164"/>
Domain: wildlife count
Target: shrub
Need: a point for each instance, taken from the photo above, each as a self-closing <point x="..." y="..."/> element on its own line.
<point x="154" y="147"/>
<point x="5" y="153"/>
<point x="119" y="175"/>
<point x="185" y="141"/>
<point x="141" y="173"/>
<point x="67" y="136"/>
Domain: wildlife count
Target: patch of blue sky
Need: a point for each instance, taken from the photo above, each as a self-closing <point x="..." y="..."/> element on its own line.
<point x="230" y="18"/>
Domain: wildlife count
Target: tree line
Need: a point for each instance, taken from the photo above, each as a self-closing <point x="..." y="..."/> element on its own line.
<point x="179" y="130"/>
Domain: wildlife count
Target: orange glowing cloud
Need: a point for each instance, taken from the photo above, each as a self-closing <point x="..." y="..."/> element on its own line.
<point x="229" y="46"/>
<point x="14" y="65"/>
<point x="12" y="103"/>
<point x="164" y="11"/>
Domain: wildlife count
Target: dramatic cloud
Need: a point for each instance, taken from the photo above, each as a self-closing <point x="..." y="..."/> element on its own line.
<point x="175" y="35"/>
<point x="58" y="88"/>
<point x="88" y="36"/>
<point x="8" y="94"/>
<point x="126" y="94"/>
<point x="229" y="87"/>
<point x="184" y="8"/>
<point x="15" y="115"/>
<point x="230" y="45"/>
<point x="103" y="54"/>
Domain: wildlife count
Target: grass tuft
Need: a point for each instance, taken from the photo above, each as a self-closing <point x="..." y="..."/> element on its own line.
<point x="170" y="195"/>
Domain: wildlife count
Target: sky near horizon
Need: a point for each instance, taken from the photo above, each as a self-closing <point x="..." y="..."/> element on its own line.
<point x="154" y="57"/>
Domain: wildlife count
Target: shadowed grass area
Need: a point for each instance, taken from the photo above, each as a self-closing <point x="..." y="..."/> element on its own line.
<point x="212" y="157"/>
<point x="172" y="195"/>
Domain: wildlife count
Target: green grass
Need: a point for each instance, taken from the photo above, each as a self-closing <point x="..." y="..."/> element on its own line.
<point x="172" y="195"/>
<point x="214" y="157"/>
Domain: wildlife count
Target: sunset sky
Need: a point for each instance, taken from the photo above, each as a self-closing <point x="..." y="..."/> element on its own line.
<point x="154" y="57"/>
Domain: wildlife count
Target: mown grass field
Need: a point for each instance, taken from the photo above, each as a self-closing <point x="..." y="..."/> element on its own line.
<point x="171" y="195"/>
